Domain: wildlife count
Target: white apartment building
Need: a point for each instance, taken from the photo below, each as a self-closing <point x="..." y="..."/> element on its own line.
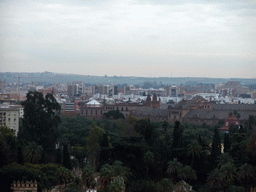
<point x="10" y="117"/>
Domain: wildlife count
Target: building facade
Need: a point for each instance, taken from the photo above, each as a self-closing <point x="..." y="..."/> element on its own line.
<point x="10" y="117"/>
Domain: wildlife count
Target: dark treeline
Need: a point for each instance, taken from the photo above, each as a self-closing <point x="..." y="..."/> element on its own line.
<point x="143" y="155"/>
<point x="49" y="78"/>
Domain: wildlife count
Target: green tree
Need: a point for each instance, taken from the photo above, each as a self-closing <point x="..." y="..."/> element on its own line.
<point x="187" y="173"/>
<point x="32" y="153"/>
<point x="104" y="150"/>
<point x="79" y="153"/>
<point x="229" y="172"/>
<point x="251" y="121"/>
<point x="216" y="146"/>
<point x="215" y="180"/>
<point x="41" y="119"/>
<point x="20" y="158"/>
<point x="145" y="128"/>
<point x="63" y="176"/>
<point x="224" y="159"/>
<point x="116" y="185"/>
<point x="120" y="170"/>
<point x="174" y="167"/>
<point x="148" y="158"/>
<point x="177" y="140"/>
<point x="93" y="142"/>
<point x="177" y="135"/>
<point x="239" y="148"/>
<point x="165" y="185"/>
<point x="8" y="146"/>
<point x="66" y="157"/>
<point x="58" y="158"/>
<point x="251" y="148"/>
<point x="246" y="174"/>
<point x="106" y="174"/>
<point x="194" y="149"/>
<point x="87" y="175"/>
<point x="227" y="142"/>
<point x="114" y="114"/>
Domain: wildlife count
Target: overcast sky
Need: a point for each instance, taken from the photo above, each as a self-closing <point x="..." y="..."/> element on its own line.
<point x="153" y="38"/>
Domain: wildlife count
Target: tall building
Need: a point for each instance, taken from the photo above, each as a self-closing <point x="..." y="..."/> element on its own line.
<point x="10" y="117"/>
<point x="76" y="89"/>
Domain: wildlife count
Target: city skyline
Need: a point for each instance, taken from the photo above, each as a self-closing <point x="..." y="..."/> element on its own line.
<point x="130" y="38"/>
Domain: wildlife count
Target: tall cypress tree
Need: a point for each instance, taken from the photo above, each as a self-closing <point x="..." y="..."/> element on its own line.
<point x="43" y="158"/>
<point x="216" y="146"/>
<point x="20" y="158"/>
<point x="227" y="142"/>
<point x="66" y="157"/>
<point x="58" y="156"/>
<point x="104" y="150"/>
<point x="177" y="140"/>
<point x="177" y="135"/>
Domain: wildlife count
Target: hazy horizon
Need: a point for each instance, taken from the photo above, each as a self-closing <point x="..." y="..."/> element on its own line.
<point x="205" y="39"/>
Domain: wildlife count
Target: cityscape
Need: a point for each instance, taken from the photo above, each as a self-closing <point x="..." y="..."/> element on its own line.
<point x="128" y="96"/>
<point x="227" y="106"/>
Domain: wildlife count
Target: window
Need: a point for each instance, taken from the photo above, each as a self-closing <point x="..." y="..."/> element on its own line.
<point x="9" y="119"/>
<point x="86" y="112"/>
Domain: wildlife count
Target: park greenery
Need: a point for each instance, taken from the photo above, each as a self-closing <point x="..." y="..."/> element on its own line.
<point x="135" y="154"/>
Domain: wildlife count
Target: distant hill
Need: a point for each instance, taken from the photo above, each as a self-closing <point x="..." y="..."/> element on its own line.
<point x="49" y="77"/>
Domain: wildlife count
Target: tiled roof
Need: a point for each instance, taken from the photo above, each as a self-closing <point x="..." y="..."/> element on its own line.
<point x="148" y="111"/>
<point x="232" y="107"/>
<point x="217" y="114"/>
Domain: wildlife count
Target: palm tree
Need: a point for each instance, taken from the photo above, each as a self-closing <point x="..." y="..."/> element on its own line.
<point x="194" y="149"/>
<point x="173" y="167"/>
<point x="148" y="158"/>
<point x="120" y="170"/>
<point x="106" y="174"/>
<point x="87" y="175"/>
<point x="117" y="184"/>
<point x="187" y="173"/>
<point x="229" y="172"/>
<point x="215" y="180"/>
<point x="32" y="152"/>
<point x="246" y="173"/>
<point x="223" y="159"/>
<point x="165" y="185"/>
<point x="63" y="176"/>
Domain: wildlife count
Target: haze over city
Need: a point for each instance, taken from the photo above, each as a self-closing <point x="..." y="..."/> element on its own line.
<point x="130" y="38"/>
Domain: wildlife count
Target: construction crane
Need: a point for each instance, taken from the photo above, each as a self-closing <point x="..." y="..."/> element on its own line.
<point x="2" y="83"/>
<point x="19" y="83"/>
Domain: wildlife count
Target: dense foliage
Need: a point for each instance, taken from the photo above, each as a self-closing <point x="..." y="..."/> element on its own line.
<point x="139" y="155"/>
